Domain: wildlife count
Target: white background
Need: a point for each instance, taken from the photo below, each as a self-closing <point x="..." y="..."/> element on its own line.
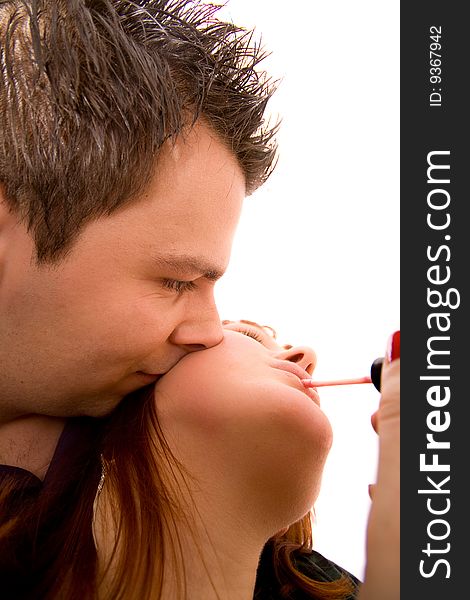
<point x="317" y="251"/>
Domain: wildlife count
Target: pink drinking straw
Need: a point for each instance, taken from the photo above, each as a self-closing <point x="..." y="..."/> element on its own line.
<point x="310" y="383"/>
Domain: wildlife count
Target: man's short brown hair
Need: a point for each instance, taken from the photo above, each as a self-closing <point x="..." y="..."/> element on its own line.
<point x="91" y="89"/>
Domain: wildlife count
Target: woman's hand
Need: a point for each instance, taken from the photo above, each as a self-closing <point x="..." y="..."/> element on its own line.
<point x="382" y="576"/>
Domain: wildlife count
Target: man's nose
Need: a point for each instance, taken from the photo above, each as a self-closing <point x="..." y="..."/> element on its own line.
<point x="200" y="329"/>
<point x="304" y="356"/>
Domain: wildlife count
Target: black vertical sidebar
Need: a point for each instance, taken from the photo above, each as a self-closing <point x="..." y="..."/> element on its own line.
<point x="435" y="269"/>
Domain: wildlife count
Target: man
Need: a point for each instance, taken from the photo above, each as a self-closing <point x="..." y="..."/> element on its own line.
<point x="130" y="134"/>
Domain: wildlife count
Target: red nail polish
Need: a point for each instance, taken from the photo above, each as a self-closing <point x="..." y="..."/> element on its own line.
<point x="393" y="346"/>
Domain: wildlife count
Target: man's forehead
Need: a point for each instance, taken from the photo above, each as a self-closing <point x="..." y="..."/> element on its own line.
<point x="188" y="264"/>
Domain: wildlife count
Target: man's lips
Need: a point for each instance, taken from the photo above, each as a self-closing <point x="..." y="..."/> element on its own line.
<point x="150" y="377"/>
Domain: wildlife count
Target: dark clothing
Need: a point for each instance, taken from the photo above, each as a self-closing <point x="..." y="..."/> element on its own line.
<point x="25" y="560"/>
<point x="312" y="564"/>
<point x="74" y="466"/>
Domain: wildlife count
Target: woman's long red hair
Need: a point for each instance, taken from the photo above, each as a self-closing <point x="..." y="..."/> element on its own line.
<point x="63" y="562"/>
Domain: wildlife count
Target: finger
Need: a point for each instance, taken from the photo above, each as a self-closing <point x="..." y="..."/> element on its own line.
<point x="374" y="421"/>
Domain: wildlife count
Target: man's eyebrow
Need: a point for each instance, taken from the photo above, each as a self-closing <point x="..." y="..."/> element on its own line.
<point x="185" y="264"/>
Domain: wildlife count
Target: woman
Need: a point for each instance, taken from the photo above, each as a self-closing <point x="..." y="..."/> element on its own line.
<point x="205" y="488"/>
<point x="224" y="466"/>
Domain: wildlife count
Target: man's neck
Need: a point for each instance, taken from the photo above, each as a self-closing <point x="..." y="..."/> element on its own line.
<point x="29" y="442"/>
